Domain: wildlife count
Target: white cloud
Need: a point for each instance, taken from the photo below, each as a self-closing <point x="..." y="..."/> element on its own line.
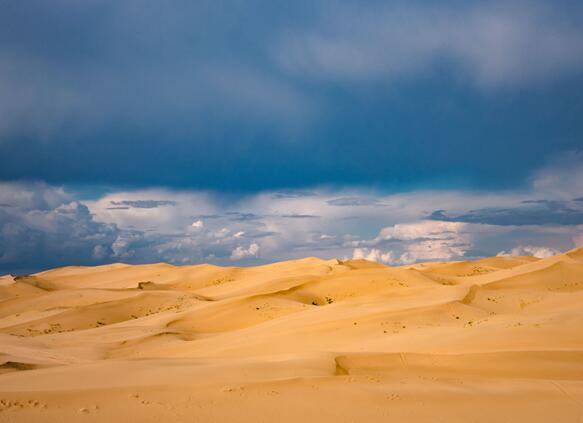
<point x="372" y="254"/>
<point x="120" y="247"/>
<point x="439" y="250"/>
<point x="198" y="224"/>
<point x="530" y="250"/>
<point x="202" y="226"/>
<point x="423" y="229"/>
<point x="240" y="253"/>
<point x="188" y="209"/>
<point x="418" y="241"/>
<point x="222" y="233"/>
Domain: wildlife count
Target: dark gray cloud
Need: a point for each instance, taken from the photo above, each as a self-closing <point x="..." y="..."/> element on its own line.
<point x="293" y="194"/>
<point x="235" y="216"/>
<point x="546" y="202"/>
<point x="142" y="204"/>
<point x="299" y="216"/>
<point x="255" y="234"/>
<point x="208" y="216"/>
<point x="356" y="201"/>
<point x="535" y="212"/>
<point x="242" y="216"/>
<point x="68" y="234"/>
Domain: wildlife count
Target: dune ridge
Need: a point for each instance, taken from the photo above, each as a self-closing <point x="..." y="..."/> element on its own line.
<point x="498" y="339"/>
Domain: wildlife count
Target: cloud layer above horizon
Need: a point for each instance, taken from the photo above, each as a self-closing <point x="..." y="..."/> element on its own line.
<point x="43" y="226"/>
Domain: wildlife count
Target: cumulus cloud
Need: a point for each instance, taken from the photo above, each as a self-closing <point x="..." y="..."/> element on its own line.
<point x="179" y="235"/>
<point x="197" y="224"/>
<point x="441" y="250"/>
<point x="240" y="253"/>
<point x="222" y="233"/>
<point x="417" y="241"/>
<point x="420" y="230"/>
<point x="372" y="254"/>
<point x="44" y="228"/>
<point x="530" y="250"/>
<point x="188" y="227"/>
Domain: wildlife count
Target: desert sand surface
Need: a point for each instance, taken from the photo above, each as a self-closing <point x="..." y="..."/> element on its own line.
<point x="494" y="340"/>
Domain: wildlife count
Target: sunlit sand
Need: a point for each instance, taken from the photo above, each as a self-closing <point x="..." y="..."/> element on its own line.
<point x="499" y="339"/>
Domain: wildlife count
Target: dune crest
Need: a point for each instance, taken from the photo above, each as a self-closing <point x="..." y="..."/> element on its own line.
<point x="498" y="339"/>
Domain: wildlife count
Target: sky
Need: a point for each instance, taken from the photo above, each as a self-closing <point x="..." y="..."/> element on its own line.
<point x="247" y="132"/>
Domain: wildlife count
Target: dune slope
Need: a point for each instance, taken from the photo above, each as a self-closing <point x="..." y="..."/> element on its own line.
<point x="499" y="339"/>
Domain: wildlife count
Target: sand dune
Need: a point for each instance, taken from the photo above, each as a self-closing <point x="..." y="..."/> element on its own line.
<point x="499" y="339"/>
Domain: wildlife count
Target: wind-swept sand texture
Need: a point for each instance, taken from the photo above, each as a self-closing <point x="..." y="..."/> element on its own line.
<point x="500" y="339"/>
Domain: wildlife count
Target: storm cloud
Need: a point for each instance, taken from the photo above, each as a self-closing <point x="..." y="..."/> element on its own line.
<point x="249" y="96"/>
<point x="539" y="212"/>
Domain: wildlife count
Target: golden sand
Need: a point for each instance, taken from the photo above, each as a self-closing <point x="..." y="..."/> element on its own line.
<point x="500" y="339"/>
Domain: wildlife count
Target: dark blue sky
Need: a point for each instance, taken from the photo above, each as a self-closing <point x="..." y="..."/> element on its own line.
<point x="246" y="96"/>
<point x="253" y="131"/>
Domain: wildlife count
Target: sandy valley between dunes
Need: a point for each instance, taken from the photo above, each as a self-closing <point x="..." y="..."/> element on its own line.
<point x="499" y="339"/>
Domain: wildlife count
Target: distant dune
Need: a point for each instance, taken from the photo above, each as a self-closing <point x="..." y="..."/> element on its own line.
<point x="499" y="339"/>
